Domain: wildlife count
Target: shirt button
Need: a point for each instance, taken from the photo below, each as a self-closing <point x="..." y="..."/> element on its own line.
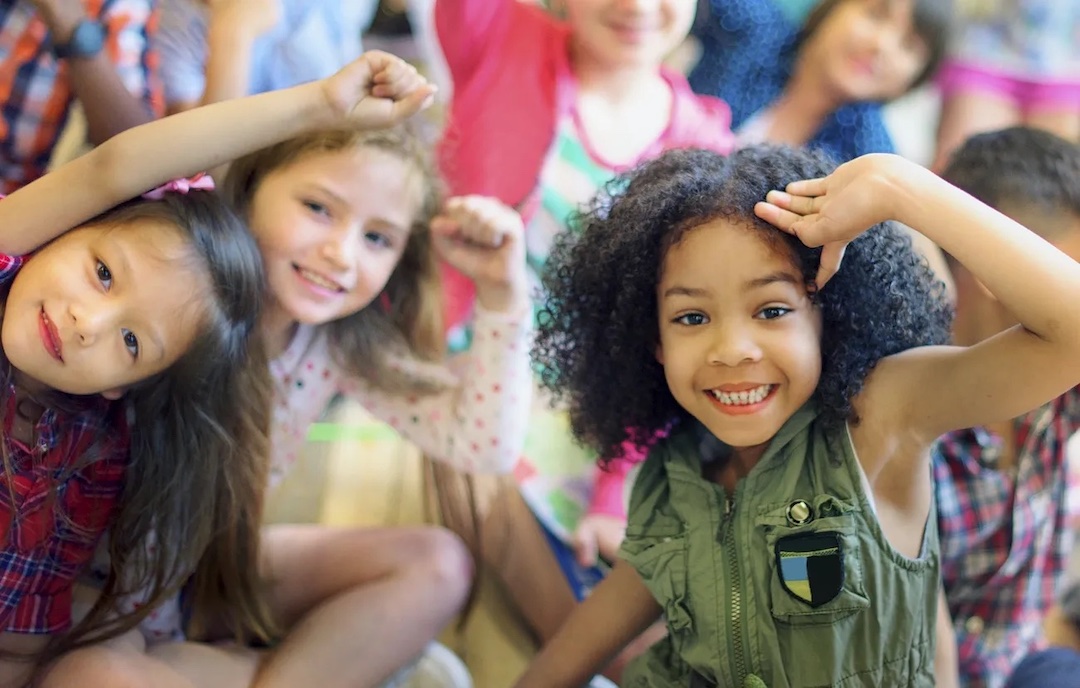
<point x="974" y="625"/>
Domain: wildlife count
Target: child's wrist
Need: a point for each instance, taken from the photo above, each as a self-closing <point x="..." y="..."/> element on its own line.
<point x="505" y="297"/>
<point x="319" y="108"/>
<point x="904" y="183"/>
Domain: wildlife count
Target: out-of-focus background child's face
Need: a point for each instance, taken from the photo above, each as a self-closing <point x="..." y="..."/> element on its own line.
<point x="629" y="33"/>
<point x="867" y="50"/>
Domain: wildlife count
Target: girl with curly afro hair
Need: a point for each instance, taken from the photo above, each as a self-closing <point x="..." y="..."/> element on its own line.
<point x="797" y="360"/>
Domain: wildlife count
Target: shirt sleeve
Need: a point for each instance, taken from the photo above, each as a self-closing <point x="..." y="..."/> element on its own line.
<point x="609" y="484"/>
<point x="181" y="43"/>
<point x="1067" y="411"/>
<point x="468" y="30"/>
<point x="9" y="266"/>
<point x="131" y="26"/>
<point x="479" y="425"/>
<point x="747" y="49"/>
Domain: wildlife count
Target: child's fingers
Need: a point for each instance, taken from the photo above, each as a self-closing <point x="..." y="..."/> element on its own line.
<point x="832" y="255"/>
<point x="585" y="547"/>
<point x="399" y="75"/>
<point x="808" y="187"/>
<point x="484" y="221"/>
<point x="802" y="205"/>
<point x="444" y="226"/>
<point x="400" y="85"/>
<point x="418" y="100"/>
<point x="776" y="216"/>
<point x="381" y="64"/>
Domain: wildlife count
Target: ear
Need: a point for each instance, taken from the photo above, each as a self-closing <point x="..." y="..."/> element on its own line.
<point x="114" y="394"/>
<point x="659" y="353"/>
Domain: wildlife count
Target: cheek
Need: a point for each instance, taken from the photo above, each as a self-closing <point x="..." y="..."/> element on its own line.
<point x="376" y="268"/>
<point x="276" y="229"/>
<point x="908" y="66"/>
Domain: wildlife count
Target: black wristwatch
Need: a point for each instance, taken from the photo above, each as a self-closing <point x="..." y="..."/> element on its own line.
<point x="86" y="40"/>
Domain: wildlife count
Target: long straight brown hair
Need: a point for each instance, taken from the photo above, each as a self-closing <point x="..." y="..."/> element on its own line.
<point x="198" y="442"/>
<point x="402" y="327"/>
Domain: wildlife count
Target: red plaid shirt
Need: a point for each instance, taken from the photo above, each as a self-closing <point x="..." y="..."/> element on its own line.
<point x="35" y="95"/>
<point x="1005" y="536"/>
<point x="50" y="535"/>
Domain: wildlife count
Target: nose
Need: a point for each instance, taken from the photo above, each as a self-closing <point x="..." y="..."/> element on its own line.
<point x="733" y="345"/>
<point x="340" y="248"/>
<point x="888" y="39"/>
<point x="93" y="318"/>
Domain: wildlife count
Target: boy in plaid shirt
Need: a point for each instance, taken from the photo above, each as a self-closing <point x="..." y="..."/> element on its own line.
<point x="1003" y="512"/>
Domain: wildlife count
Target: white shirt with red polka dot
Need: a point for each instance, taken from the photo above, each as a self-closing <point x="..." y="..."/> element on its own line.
<point x="476" y="425"/>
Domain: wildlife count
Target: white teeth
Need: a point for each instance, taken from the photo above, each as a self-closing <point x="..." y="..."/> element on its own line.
<point x="319" y="279"/>
<point x="745" y="398"/>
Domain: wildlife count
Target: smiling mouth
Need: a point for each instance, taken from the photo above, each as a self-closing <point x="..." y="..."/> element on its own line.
<point x="50" y="336"/>
<point x="747" y="397"/>
<point x="318" y="279"/>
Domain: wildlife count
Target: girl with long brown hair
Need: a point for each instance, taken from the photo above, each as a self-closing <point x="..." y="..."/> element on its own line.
<point x="134" y="399"/>
<point x="349" y="222"/>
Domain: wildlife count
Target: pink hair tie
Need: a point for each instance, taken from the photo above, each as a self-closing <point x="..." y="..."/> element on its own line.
<point x="201" y="182"/>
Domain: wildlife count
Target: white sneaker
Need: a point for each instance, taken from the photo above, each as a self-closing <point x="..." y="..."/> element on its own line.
<point x="438" y="667"/>
<point x="601" y="682"/>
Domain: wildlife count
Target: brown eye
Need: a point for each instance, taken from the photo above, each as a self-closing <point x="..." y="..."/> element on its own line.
<point x="104" y="275"/>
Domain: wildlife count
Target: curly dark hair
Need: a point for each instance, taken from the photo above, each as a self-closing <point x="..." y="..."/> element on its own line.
<point x="598" y="331"/>
<point x="1019" y="166"/>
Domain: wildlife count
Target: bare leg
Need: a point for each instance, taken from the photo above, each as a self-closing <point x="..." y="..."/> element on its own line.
<point x="360" y="604"/>
<point x="123" y="663"/>
<point x="966" y="113"/>
<point x="517" y="551"/>
<point x="14" y="672"/>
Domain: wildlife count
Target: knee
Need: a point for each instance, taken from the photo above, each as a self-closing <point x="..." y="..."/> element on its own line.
<point x="94" y="667"/>
<point x="443" y="558"/>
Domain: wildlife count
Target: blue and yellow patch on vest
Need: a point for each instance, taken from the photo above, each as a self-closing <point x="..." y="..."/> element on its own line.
<point x="811" y="567"/>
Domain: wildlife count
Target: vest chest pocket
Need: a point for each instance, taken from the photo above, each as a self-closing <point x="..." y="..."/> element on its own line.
<point x="815" y="564"/>
<point x="660" y="560"/>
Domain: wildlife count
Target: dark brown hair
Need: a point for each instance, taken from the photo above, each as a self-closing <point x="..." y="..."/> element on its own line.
<point x="198" y="441"/>
<point x="933" y="22"/>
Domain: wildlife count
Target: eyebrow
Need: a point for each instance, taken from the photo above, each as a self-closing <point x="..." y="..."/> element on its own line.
<point x="323" y="189"/>
<point x="773" y="278"/>
<point x="685" y="291"/>
<point x="340" y="200"/>
<point x="118" y="250"/>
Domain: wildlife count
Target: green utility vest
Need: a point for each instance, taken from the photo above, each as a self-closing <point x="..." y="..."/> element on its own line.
<point x="789" y="583"/>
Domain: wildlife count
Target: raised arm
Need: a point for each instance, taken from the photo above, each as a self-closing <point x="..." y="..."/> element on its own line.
<point x="478" y="426"/>
<point x="377" y="90"/>
<point x="115" y="86"/>
<point x="234" y="27"/>
<point x="468" y="30"/>
<point x="931" y="390"/>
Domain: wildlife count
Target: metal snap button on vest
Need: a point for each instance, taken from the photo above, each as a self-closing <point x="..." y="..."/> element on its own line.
<point x="799" y="513"/>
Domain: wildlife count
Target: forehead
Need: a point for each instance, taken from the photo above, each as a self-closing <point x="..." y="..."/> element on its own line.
<point x="896" y="11"/>
<point x="726" y="250"/>
<point x="363" y="176"/>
